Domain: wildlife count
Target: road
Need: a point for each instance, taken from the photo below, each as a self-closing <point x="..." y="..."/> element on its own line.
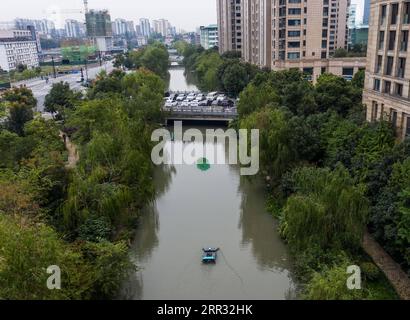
<point x="41" y="89"/>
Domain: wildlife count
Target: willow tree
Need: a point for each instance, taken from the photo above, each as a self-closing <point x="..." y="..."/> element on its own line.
<point x="326" y="210"/>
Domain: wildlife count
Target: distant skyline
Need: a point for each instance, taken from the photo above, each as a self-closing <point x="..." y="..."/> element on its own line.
<point x="183" y="14"/>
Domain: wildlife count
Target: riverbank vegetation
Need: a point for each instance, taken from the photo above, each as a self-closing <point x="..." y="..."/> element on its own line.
<point x="153" y="57"/>
<point x="81" y="218"/>
<point x="216" y="72"/>
<point x="331" y="175"/>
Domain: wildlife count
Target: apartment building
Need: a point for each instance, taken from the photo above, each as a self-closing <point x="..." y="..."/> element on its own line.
<point x="229" y="14"/>
<point x="17" y="47"/>
<point x="387" y="89"/>
<point x="209" y="36"/>
<point x="300" y="31"/>
<point x="257" y="32"/>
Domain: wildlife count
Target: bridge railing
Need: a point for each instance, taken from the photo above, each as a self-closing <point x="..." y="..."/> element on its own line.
<point x="213" y="113"/>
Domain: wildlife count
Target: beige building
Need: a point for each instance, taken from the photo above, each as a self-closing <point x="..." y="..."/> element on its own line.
<point x="278" y="32"/>
<point x="229" y="25"/>
<point x="343" y="67"/>
<point x="257" y="32"/>
<point x="387" y="89"/>
<point x="311" y="29"/>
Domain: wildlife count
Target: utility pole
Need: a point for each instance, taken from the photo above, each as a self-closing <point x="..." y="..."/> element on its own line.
<point x="86" y="69"/>
<point x="54" y="67"/>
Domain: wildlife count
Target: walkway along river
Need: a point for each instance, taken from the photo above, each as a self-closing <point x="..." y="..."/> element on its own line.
<point x="212" y="208"/>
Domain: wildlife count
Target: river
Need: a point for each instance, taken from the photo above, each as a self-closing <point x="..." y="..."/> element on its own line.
<point x="213" y="208"/>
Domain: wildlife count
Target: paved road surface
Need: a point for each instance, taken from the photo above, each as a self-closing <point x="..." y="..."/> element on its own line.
<point x="41" y="89"/>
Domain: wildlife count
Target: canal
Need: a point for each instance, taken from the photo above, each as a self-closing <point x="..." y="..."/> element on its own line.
<point x="207" y="208"/>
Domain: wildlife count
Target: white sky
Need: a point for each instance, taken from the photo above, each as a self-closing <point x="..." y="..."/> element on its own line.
<point x="185" y="14"/>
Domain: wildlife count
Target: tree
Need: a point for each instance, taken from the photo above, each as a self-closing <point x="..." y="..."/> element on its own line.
<point x="60" y="98"/>
<point x="326" y="210"/>
<point x="358" y="79"/>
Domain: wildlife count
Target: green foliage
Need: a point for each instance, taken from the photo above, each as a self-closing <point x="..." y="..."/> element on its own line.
<point x="60" y="98"/>
<point x="326" y="210"/>
<point x="153" y="57"/>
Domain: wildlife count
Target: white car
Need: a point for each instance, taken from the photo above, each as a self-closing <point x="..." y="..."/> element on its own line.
<point x="221" y="97"/>
<point x="191" y="97"/>
<point x="185" y="103"/>
<point x="200" y="97"/>
<point x="181" y="97"/>
<point x="194" y="104"/>
<point x="168" y="104"/>
<point x="212" y="95"/>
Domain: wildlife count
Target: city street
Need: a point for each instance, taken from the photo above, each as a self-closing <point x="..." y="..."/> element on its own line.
<point x="41" y="89"/>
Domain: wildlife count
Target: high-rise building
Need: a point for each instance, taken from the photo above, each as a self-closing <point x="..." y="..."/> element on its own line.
<point x="18" y="47"/>
<point x="98" y="23"/>
<point x="162" y="27"/>
<point x="209" y="36"/>
<point x="257" y="31"/>
<point x="145" y="27"/>
<point x="73" y="29"/>
<point x="366" y="12"/>
<point x="351" y="22"/>
<point x="99" y="29"/>
<point x="284" y="34"/>
<point x="387" y="84"/>
<point x="229" y="25"/>
<point x="302" y="31"/>
<point x="119" y="27"/>
<point x="45" y="27"/>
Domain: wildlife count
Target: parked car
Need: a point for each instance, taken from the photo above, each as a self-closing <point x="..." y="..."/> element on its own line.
<point x="181" y="97"/>
<point x="194" y="104"/>
<point x="200" y="97"/>
<point x="203" y="103"/>
<point x="226" y="103"/>
<point x="212" y="95"/>
<point x="185" y="103"/>
<point x="221" y="97"/>
<point x="215" y="103"/>
<point x="191" y="97"/>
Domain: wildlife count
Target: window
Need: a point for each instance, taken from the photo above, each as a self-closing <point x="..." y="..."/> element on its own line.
<point x="389" y="66"/>
<point x="294" y="44"/>
<point x="393" y="117"/>
<point x="394" y="13"/>
<point x="398" y="90"/>
<point x="324" y="44"/>
<point x="381" y="40"/>
<point x="392" y="40"/>
<point x="404" y="40"/>
<point x="406" y="13"/>
<point x="376" y="85"/>
<point x="293" y="34"/>
<point x="323" y="55"/>
<point x="379" y="64"/>
<point x="383" y="14"/>
<point x="325" y="11"/>
<point x="294" y="22"/>
<point x="293" y="11"/>
<point x="387" y="87"/>
<point x="375" y="108"/>
<point x="323" y="70"/>
<point x="324" y="33"/>
<point x="295" y="1"/>
<point x="401" y="68"/>
<point x="293" y="55"/>
<point x="325" y="22"/>
<point x="408" y="125"/>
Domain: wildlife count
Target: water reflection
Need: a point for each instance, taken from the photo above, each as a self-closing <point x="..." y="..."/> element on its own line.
<point x="213" y="208"/>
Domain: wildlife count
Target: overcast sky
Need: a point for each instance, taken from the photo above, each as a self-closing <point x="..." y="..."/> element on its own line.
<point x="185" y="14"/>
